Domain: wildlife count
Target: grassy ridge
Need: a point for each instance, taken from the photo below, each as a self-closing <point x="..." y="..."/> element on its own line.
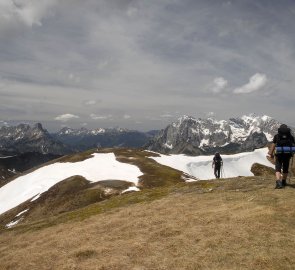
<point x="239" y="223"/>
<point x="77" y="192"/>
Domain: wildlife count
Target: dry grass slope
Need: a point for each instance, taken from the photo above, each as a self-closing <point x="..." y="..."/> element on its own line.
<point x="240" y="223"/>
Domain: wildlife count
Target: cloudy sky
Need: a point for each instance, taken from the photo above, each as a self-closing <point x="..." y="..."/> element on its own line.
<point x="141" y="64"/>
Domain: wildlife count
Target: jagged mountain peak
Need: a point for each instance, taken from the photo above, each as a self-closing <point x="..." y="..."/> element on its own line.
<point x="38" y="126"/>
<point x="26" y="138"/>
<point x="204" y="136"/>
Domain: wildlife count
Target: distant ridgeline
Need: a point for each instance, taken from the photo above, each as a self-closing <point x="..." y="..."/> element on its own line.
<point x="23" y="147"/>
<point x="187" y="135"/>
<point x="193" y="136"/>
<point x="24" y="138"/>
<point x="84" y="139"/>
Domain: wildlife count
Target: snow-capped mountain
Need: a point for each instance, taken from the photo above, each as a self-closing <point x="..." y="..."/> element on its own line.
<point x="83" y="138"/>
<point x="193" y="136"/>
<point x="25" y="138"/>
<point x="66" y="131"/>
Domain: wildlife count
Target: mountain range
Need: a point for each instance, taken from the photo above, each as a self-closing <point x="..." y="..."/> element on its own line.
<point x="187" y="135"/>
<point x="192" y="136"/>
<point x="24" y="138"/>
<point x="23" y="146"/>
<point x="84" y="139"/>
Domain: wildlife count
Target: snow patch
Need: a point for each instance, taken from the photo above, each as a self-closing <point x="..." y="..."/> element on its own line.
<point x="13" y="171"/>
<point x="149" y="151"/>
<point x="130" y="189"/>
<point x="201" y="166"/>
<point x="266" y="118"/>
<point x="170" y="146"/>
<point x="269" y="137"/>
<point x="22" y="212"/>
<point x="206" y="131"/>
<point x="13" y="223"/>
<point x="36" y="197"/>
<point x="204" y="142"/>
<point x="99" y="167"/>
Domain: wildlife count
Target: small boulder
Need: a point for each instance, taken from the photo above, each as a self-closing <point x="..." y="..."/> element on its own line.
<point x="262" y="170"/>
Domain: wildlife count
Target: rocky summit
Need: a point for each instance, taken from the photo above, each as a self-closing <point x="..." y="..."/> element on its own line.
<point x="25" y="138"/>
<point x="192" y="136"/>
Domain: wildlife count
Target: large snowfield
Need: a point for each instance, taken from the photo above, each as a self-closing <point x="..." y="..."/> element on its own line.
<point x="201" y="166"/>
<point x="106" y="167"/>
<point x="99" y="167"/>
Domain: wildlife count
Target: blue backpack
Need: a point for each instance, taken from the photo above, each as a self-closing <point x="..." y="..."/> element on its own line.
<point x="284" y="143"/>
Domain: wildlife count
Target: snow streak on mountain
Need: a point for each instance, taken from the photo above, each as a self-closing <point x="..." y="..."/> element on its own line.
<point x="193" y="136"/>
<point x="24" y="138"/>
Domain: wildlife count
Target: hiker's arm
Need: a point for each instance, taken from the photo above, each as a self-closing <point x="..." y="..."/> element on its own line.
<point x="271" y="149"/>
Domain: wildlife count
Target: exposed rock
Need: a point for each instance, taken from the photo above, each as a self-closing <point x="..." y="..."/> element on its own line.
<point x="193" y="136"/>
<point x="24" y="138"/>
<point x="262" y="170"/>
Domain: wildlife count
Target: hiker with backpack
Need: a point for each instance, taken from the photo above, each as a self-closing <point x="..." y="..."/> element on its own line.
<point x="281" y="150"/>
<point x="217" y="164"/>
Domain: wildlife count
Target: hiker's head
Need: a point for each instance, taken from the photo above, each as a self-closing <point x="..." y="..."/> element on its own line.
<point x="283" y="129"/>
<point x="217" y="154"/>
<point x="283" y="126"/>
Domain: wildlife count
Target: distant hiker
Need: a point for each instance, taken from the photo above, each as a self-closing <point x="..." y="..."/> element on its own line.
<point x="217" y="164"/>
<point x="281" y="149"/>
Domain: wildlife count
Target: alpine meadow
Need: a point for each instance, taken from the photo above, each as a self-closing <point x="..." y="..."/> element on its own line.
<point x="147" y="134"/>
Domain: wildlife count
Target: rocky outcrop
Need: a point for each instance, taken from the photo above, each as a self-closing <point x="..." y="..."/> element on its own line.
<point x="193" y="136"/>
<point x="262" y="170"/>
<point x="25" y="138"/>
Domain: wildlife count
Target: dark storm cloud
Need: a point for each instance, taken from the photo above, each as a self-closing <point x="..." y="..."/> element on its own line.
<point x="135" y="60"/>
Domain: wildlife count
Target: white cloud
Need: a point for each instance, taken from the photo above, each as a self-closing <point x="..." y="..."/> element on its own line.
<point x="3" y="123"/>
<point x="100" y="117"/>
<point x="129" y="57"/>
<point x="66" y="117"/>
<point x="256" y="82"/>
<point x="28" y="12"/>
<point x="126" y="116"/>
<point x="219" y="84"/>
<point x="90" y="102"/>
<point x="167" y="115"/>
<point x="211" y="114"/>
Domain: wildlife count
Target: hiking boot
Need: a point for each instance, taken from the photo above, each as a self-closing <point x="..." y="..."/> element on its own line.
<point x="278" y="184"/>
<point x="284" y="182"/>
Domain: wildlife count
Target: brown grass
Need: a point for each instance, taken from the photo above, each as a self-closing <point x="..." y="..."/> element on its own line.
<point x="240" y="223"/>
<point x="154" y="174"/>
<point x="76" y="192"/>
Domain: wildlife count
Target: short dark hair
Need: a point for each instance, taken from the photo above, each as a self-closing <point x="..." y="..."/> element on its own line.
<point x="283" y="126"/>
